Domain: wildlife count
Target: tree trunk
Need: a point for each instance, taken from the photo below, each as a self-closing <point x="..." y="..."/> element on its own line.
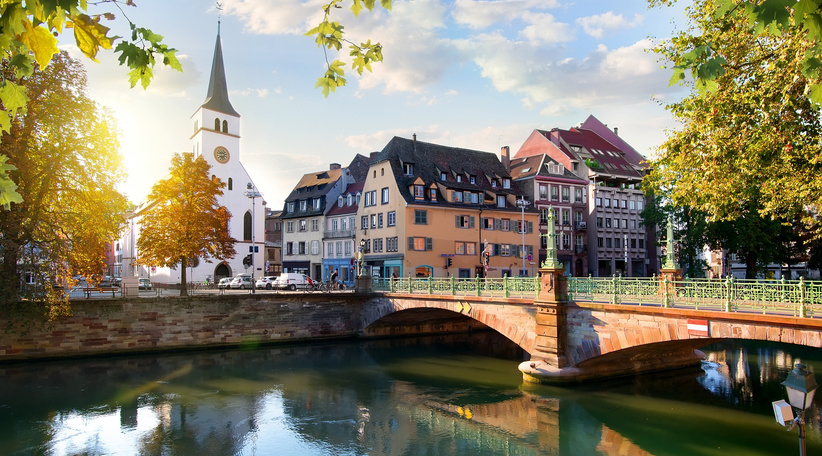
<point x="9" y="275"/>
<point x="183" y="285"/>
<point x="750" y="265"/>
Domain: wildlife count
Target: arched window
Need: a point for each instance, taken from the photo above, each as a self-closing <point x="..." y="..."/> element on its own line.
<point x="230" y="184"/>
<point x="225" y="126"/>
<point x="217" y="124"/>
<point x="247" y="226"/>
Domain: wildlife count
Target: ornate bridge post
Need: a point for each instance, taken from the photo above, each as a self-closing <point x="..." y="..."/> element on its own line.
<point x="670" y="277"/>
<point x="551" y="329"/>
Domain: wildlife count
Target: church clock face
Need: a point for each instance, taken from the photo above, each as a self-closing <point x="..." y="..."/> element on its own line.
<point x="221" y="154"/>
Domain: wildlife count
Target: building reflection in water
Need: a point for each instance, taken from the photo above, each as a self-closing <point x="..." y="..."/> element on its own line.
<point x="440" y="395"/>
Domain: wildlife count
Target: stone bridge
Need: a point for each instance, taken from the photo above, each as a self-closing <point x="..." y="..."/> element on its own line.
<point x="573" y="341"/>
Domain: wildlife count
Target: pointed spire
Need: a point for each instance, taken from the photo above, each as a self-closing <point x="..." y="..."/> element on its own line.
<point x="217" y="96"/>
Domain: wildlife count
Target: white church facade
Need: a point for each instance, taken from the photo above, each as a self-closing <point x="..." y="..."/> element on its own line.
<point x="216" y="137"/>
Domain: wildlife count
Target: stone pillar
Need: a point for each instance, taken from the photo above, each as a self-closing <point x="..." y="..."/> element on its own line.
<point x="551" y="321"/>
<point x="362" y="284"/>
<point x="551" y="329"/>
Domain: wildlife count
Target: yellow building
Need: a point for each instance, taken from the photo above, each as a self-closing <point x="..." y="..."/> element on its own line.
<point x="436" y="210"/>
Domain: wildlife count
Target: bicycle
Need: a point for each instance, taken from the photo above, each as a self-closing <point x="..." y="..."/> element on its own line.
<point x="318" y="286"/>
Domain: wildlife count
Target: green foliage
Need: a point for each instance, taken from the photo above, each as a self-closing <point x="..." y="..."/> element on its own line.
<point x="330" y="35"/>
<point x="751" y="128"/>
<point x="30" y="30"/>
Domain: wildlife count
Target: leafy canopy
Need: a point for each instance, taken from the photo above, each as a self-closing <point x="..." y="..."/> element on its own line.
<point x="64" y="154"/>
<point x="183" y="220"/>
<point x="750" y="129"/>
<point x="330" y="35"/>
<point x="29" y="39"/>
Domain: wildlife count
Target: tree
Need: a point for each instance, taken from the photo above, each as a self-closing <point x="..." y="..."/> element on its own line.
<point x="690" y="227"/>
<point x="330" y="35"/>
<point x="66" y="161"/>
<point x="182" y="220"/>
<point x="29" y="40"/>
<point x="750" y="128"/>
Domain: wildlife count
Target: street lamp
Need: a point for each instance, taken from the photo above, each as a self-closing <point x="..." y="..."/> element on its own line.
<point x="522" y="204"/>
<point x="361" y="256"/>
<point x="801" y="387"/>
<point x="252" y="193"/>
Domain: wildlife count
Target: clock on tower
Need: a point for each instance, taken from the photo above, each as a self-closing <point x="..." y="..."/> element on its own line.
<point x="221" y="154"/>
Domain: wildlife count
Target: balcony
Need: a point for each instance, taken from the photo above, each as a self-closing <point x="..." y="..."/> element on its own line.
<point x="581" y="224"/>
<point x="338" y="234"/>
<point x="580" y="249"/>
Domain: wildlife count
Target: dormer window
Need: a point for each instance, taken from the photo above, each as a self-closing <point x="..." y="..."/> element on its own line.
<point x="303" y="205"/>
<point x="408" y="169"/>
<point x="432" y="194"/>
<point x="350" y="199"/>
<point x="340" y="201"/>
<point x="290" y="207"/>
<point x="317" y="202"/>
<point x="506" y="183"/>
<point x="500" y="201"/>
<point x="443" y="176"/>
<point x="494" y="183"/>
<point x="459" y="178"/>
<point x="419" y="192"/>
<point x="472" y="180"/>
<point x="358" y="197"/>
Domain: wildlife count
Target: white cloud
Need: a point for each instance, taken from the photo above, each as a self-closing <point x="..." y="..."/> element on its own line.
<point x="276" y="17"/>
<point x="543" y="29"/>
<point x="600" y="24"/>
<point x="259" y="93"/>
<point x="479" y="14"/>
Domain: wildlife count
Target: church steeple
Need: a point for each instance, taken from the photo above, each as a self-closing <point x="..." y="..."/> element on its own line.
<point x="217" y="96"/>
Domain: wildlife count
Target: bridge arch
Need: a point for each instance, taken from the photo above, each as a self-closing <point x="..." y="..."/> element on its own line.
<point x="511" y="318"/>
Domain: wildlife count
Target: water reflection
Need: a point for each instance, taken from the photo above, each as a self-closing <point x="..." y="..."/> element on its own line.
<point x="437" y="395"/>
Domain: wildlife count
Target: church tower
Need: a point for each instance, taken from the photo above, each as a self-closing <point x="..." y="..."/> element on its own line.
<point x="217" y="138"/>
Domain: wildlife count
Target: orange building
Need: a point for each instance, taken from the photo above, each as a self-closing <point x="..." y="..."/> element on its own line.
<point x="433" y="210"/>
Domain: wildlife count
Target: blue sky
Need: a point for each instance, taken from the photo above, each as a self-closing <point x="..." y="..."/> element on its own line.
<point x="465" y="73"/>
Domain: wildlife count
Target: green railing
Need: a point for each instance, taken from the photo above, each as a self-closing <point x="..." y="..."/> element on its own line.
<point x="798" y="298"/>
<point x="515" y="287"/>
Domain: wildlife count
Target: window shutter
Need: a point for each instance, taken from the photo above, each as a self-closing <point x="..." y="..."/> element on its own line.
<point x="410" y="243"/>
<point x="429" y="244"/>
<point x="457" y="221"/>
<point x="496" y="249"/>
<point x="470" y="221"/>
<point x="497" y="224"/>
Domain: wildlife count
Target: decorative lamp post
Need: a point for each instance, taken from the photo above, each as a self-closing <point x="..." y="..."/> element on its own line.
<point x="801" y="387"/>
<point x="252" y="193"/>
<point x="522" y="204"/>
<point x="361" y="257"/>
<point x="670" y="258"/>
<point x="551" y="260"/>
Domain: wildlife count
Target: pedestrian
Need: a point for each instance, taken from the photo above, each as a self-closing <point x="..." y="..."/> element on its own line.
<point x="335" y="277"/>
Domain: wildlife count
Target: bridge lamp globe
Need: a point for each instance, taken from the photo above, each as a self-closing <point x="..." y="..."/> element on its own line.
<point x="801" y="387"/>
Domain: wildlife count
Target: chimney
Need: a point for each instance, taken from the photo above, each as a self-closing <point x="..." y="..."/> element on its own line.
<point x="505" y="154"/>
<point x="335" y="166"/>
<point x="616" y="131"/>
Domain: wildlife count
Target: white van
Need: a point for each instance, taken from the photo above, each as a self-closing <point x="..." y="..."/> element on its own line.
<point x="291" y="281"/>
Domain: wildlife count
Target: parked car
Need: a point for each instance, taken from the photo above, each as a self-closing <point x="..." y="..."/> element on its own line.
<point x="224" y="283"/>
<point x="241" y="281"/>
<point x="291" y="281"/>
<point x="266" y="282"/>
<point x="143" y="284"/>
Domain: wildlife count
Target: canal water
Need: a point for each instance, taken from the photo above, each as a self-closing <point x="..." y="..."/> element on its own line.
<point x="454" y="395"/>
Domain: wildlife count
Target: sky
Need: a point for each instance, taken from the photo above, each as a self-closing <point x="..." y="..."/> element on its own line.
<point x="463" y="73"/>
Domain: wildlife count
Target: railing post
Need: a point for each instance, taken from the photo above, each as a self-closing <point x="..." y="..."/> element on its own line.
<point x="803" y="311"/>
<point x="453" y="286"/>
<point x="393" y="286"/>
<point x="479" y="285"/>
<point x="614" y="299"/>
<point x="666" y="299"/>
<point x="506" y="292"/>
<point x="410" y="284"/>
<point x="431" y="284"/>
<point x="728" y="284"/>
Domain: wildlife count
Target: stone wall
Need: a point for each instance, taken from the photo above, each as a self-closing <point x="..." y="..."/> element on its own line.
<point x="136" y="325"/>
